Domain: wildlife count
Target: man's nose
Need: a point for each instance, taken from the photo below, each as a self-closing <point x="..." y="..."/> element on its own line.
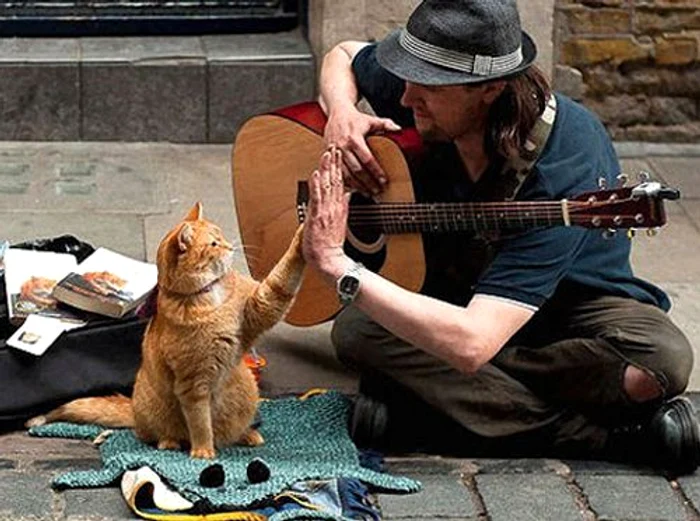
<point x="408" y="94"/>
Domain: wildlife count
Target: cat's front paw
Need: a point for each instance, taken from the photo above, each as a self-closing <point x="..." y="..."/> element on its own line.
<point x="202" y="453"/>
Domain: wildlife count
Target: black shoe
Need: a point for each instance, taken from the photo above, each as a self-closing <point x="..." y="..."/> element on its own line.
<point x="675" y="428"/>
<point x="670" y="440"/>
<point x="369" y="421"/>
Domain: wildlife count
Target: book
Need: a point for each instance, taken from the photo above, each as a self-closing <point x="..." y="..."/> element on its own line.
<point x="38" y="333"/>
<point x="107" y="283"/>
<point x="30" y="277"/>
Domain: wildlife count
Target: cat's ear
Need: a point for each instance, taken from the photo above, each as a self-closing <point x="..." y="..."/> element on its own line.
<point x="195" y="213"/>
<point x="184" y="237"/>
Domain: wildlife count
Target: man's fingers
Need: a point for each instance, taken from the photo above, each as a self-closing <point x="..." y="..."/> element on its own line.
<point x="383" y="125"/>
<point x="354" y="171"/>
<point x="326" y="173"/>
<point x="315" y="192"/>
<point x="371" y="165"/>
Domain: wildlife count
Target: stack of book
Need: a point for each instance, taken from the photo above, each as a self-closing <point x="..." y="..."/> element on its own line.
<point x="48" y="293"/>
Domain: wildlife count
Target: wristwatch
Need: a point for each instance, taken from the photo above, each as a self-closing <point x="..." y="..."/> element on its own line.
<point x="348" y="285"/>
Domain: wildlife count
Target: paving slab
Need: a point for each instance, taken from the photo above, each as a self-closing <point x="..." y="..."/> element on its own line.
<point x="692" y="209"/>
<point x="299" y="359"/>
<point x="191" y="174"/>
<point x="671" y="254"/>
<point x="15" y="502"/>
<point x="83" y="177"/>
<point x="680" y="172"/>
<point x="120" y="233"/>
<point x="525" y="497"/>
<point x="100" y="503"/>
<point x="640" y="498"/>
<point x="442" y="496"/>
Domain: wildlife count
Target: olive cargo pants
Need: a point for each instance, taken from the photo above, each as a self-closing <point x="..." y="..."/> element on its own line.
<point x="557" y="386"/>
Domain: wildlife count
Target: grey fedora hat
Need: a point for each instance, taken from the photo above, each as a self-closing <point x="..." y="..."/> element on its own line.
<point x="448" y="42"/>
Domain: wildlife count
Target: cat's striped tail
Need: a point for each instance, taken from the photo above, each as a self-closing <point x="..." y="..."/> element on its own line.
<point x="109" y="411"/>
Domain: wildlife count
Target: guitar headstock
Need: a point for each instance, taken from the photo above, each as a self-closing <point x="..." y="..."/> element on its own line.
<point x="637" y="206"/>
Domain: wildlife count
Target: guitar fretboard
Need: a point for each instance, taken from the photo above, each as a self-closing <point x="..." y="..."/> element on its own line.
<point x="396" y="218"/>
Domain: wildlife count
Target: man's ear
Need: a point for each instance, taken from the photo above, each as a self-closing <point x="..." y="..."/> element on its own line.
<point x="492" y="90"/>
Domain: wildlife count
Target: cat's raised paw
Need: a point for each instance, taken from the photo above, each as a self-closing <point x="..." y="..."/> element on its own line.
<point x="202" y="453"/>
<point x="251" y="438"/>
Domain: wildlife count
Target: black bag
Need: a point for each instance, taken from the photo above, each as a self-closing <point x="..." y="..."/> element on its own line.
<point x="100" y="358"/>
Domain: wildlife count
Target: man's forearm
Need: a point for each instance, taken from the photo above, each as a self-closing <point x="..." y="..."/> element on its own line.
<point x="437" y="327"/>
<point x="337" y="85"/>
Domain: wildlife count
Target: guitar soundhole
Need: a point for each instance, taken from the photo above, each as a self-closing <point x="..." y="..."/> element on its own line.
<point x="365" y="241"/>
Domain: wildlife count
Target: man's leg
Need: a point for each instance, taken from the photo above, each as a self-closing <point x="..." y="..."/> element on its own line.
<point x="608" y="357"/>
<point x="490" y="405"/>
<point x="620" y="363"/>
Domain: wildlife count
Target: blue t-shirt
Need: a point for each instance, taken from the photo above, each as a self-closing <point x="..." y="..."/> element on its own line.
<point x="529" y="267"/>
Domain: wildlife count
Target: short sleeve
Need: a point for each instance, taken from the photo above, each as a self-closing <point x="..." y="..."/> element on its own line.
<point x="379" y="87"/>
<point x="528" y="268"/>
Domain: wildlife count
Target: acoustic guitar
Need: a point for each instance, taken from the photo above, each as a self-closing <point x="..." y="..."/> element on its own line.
<point x="274" y="154"/>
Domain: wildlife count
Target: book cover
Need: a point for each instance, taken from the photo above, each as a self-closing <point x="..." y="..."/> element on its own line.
<point x="107" y="283"/>
<point x="39" y="332"/>
<point x="30" y="277"/>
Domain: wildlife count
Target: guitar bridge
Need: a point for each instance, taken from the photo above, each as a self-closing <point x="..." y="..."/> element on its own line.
<point x="302" y="200"/>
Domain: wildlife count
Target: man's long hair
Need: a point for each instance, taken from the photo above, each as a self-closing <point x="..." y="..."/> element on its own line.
<point x="513" y="114"/>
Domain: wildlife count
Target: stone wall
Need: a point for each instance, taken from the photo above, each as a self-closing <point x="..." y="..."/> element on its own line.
<point x="636" y="63"/>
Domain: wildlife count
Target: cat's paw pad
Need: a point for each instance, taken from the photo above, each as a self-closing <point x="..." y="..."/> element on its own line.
<point x="202" y="453"/>
<point x="252" y="438"/>
<point x="169" y="445"/>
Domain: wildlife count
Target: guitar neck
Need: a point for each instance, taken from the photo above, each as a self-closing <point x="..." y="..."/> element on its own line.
<point x="396" y="218"/>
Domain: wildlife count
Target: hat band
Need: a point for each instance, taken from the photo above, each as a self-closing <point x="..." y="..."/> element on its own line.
<point x="476" y="64"/>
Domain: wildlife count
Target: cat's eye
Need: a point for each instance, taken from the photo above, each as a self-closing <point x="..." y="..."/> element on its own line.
<point x="214" y="243"/>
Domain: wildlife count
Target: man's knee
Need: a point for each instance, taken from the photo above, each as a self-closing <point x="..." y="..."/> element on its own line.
<point x="678" y="354"/>
<point x="672" y="361"/>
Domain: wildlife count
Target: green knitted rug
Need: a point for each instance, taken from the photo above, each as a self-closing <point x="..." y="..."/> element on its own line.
<point x="304" y="439"/>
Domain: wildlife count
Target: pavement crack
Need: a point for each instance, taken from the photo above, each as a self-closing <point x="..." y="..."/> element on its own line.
<point x="691" y="512"/>
<point x="469" y="483"/>
<point x="580" y="498"/>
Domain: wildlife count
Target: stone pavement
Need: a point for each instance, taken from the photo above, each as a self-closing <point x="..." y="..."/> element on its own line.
<point x="125" y="196"/>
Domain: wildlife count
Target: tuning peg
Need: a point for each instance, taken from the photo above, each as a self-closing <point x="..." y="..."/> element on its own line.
<point x="609" y="233"/>
<point x="631" y="233"/>
<point x="652" y="232"/>
<point x="602" y="183"/>
<point x="643" y="176"/>
<point x="622" y="179"/>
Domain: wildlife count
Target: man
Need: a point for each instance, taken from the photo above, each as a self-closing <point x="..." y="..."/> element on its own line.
<point x="548" y="345"/>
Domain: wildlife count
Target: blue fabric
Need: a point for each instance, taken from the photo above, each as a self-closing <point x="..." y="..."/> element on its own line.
<point x="529" y="267"/>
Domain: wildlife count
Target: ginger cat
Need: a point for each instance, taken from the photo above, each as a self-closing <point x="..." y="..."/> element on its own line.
<point x="193" y="386"/>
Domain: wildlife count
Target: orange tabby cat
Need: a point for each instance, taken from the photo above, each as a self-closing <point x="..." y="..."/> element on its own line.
<point x="193" y="386"/>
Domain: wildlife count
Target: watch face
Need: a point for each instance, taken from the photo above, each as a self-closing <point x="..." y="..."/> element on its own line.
<point x="349" y="285"/>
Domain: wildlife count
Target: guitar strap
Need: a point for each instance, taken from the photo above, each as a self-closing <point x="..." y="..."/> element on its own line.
<point x="518" y="168"/>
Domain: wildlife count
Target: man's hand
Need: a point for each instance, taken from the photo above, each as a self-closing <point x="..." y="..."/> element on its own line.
<point x="326" y="220"/>
<point x="348" y="129"/>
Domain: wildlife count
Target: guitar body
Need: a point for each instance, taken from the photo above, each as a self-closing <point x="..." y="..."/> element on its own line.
<point x="271" y="154"/>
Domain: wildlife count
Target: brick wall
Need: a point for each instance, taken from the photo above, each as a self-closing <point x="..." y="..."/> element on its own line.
<point x="636" y="63"/>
